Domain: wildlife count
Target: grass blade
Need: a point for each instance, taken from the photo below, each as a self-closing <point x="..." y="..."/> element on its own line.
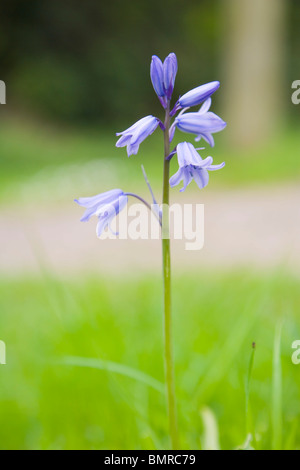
<point x="116" y="368"/>
<point x="247" y="389"/>
<point x="211" y="431"/>
<point x="276" y="411"/>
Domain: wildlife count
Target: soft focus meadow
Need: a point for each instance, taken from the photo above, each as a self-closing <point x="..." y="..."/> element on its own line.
<point x="81" y="320"/>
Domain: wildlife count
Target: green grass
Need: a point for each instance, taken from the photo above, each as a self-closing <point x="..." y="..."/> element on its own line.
<point x="36" y="157"/>
<point x="84" y="356"/>
<point x="49" y="399"/>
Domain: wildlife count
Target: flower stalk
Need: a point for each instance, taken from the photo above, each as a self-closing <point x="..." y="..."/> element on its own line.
<point x="106" y="206"/>
<point x="168" y="344"/>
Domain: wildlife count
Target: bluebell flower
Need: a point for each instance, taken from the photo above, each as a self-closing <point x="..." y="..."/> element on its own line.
<point x="192" y="166"/>
<point x="163" y="76"/>
<point x="198" y="95"/>
<point x="105" y="206"/>
<point x="207" y="136"/>
<point x="134" y="136"/>
<point x="203" y="123"/>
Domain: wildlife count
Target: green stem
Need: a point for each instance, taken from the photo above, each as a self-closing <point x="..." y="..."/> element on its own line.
<point x="169" y="361"/>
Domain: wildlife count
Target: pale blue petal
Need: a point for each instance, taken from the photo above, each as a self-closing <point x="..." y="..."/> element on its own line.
<point x="102" y="198"/>
<point x="206" y="162"/>
<point x="207" y="137"/>
<point x="176" y="178"/>
<point x="132" y="149"/>
<point x="201" y="177"/>
<point x="107" y="213"/>
<point x="187" y="154"/>
<point x="215" y="167"/>
<point x="206" y="106"/>
<point x="124" y="140"/>
<point x="131" y="129"/>
<point x="172" y="133"/>
<point x="187" y="178"/>
<point x="88" y="214"/>
<point x="101" y="225"/>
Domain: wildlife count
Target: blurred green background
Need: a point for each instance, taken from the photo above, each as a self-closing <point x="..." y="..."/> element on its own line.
<point x="76" y="73"/>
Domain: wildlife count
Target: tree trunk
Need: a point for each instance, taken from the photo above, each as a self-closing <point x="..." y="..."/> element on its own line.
<point x="254" y="77"/>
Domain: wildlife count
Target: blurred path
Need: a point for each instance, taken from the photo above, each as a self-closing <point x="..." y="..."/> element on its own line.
<point x="253" y="227"/>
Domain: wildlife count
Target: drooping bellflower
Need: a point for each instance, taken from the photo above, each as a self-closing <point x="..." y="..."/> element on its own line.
<point x="134" y="135"/>
<point x="203" y="123"/>
<point x="192" y="166"/>
<point x="207" y="136"/>
<point x="198" y="95"/>
<point x="105" y="206"/>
